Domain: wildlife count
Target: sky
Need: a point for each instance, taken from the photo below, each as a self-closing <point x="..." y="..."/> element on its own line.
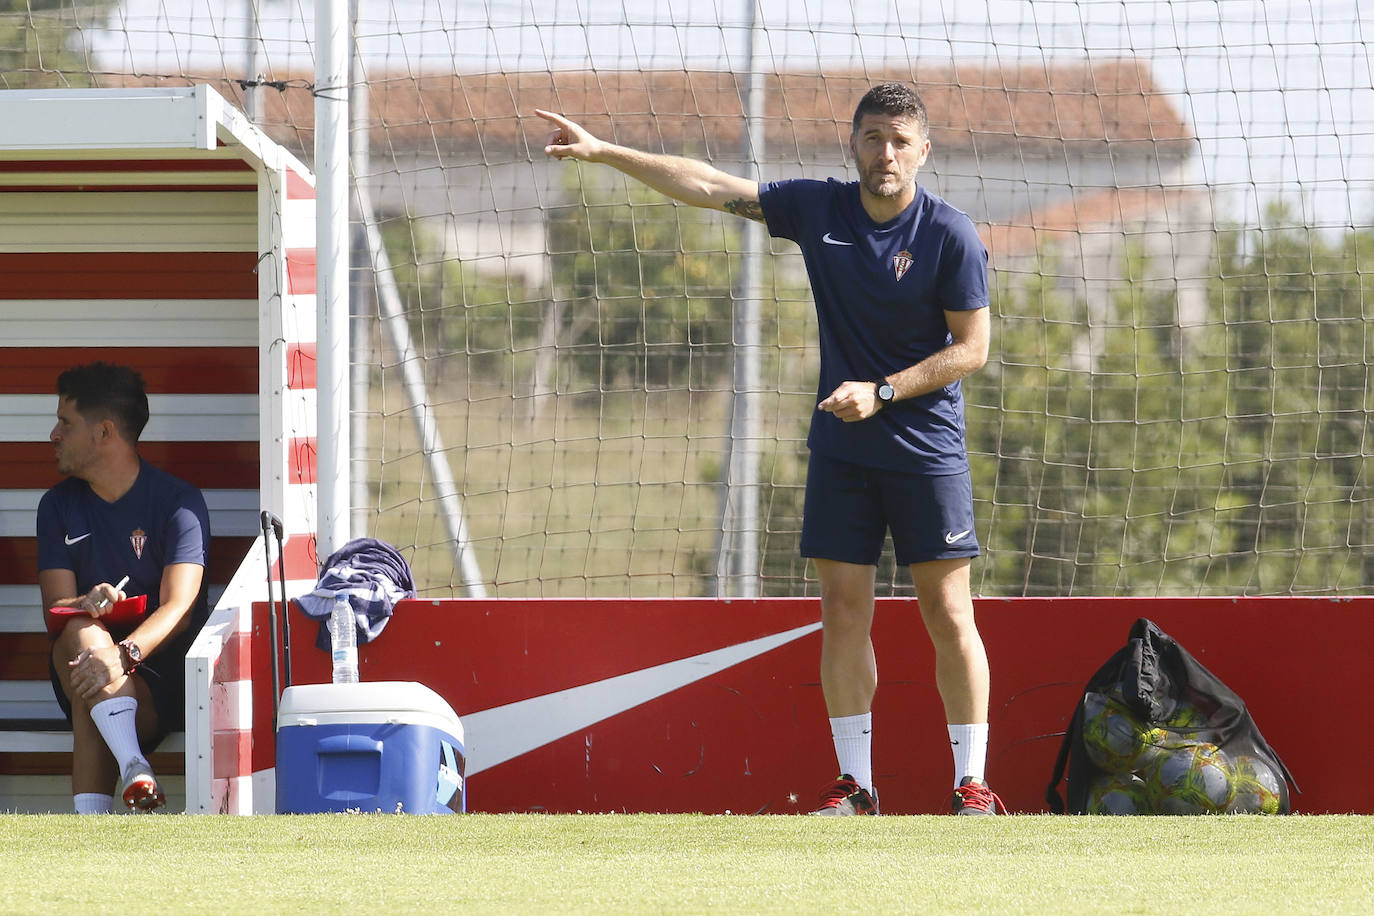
<point x="1280" y="94"/>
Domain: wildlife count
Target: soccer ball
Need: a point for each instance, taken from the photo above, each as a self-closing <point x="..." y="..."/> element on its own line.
<point x="1258" y="788"/>
<point x="1187" y="726"/>
<point x="1119" y="793"/>
<point x="1185" y="717"/>
<point x="1191" y="780"/>
<point x="1115" y="739"/>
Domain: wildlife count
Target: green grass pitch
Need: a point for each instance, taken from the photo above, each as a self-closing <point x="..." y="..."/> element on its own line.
<point x="686" y="864"/>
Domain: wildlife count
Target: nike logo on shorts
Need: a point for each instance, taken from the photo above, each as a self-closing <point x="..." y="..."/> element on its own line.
<point x="954" y="536"/>
<point x="75" y="540"/>
<point x="831" y="240"/>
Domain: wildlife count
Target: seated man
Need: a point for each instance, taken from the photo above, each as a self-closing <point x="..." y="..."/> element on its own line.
<point x="122" y="685"/>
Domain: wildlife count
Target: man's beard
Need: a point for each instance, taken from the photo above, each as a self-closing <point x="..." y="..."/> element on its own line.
<point x="886" y="185"/>
<point x="67" y="464"/>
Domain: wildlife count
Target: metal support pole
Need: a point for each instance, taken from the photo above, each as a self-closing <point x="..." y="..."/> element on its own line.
<point x="737" y="564"/>
<point x="361" y="297"/>
<point x="252" y="64"/>
<point x="331" y="271"/>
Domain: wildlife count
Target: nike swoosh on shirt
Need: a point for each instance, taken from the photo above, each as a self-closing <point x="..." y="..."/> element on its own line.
<point x="952" y="536"/>
<point x="831" y="240"/>
<point x="75" y="540"/>
<point x="503" y="733"/>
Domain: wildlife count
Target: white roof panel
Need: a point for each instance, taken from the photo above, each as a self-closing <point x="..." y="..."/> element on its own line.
<point x="76" y="119"/>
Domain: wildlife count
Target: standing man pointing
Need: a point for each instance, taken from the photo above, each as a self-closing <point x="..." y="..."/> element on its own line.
<point x="899" y="279"/>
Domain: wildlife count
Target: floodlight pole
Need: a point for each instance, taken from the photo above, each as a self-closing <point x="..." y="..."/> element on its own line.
<point x="331" y="271"/>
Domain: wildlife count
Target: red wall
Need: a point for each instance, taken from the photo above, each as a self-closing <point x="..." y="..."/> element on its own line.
<point x="754" y="738"/>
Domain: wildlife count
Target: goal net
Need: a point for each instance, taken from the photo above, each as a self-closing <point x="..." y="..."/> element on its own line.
<point x="1174" y="196"/>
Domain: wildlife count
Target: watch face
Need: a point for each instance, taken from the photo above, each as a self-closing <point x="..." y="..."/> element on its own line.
<point x="885" y="393"/>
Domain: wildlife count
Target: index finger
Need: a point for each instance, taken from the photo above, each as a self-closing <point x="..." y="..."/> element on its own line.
<point x="110" y="596"/>
<point x="833" y="399"/>
<point x="555" y="118"/>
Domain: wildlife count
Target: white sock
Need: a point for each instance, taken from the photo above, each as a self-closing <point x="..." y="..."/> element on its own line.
<point x="93" y="803"/>
<point x="115" y="718"/>
<point x="970" y="746"/>
<point x="853" y="737"/>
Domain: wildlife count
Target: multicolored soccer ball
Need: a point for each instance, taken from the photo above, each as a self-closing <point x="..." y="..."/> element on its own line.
<point x="1116" y="740"/>
<point x="1118" y="793"/>
<point x="1187" y="719"/>
<point x="1258" y="789"/>
<point x="1191" y="780"/>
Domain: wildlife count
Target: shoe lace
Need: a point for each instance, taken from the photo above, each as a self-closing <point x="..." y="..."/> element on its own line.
<point x="837" y="793"/>
<point x="979" y="796"/>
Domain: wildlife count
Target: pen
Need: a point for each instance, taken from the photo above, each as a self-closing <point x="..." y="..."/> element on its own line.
<point x="105" y="602"/>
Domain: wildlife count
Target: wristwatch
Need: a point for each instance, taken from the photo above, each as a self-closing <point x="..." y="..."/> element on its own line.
<point x="130" y="656"/>
<point x="884" y="391"/>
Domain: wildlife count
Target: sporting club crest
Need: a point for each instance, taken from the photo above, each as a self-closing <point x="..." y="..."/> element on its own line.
<point x="138" y="539"/>
<point x="902" y="263"/>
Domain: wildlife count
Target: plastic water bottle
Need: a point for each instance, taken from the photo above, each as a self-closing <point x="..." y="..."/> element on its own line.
<point x="344" y="636"/>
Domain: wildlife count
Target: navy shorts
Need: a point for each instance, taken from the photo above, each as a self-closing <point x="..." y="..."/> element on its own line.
<point x="850" y="508"/>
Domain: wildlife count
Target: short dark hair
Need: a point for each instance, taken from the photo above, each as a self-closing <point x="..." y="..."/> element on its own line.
<point x="104" y="391"/>
<point x="893" y="100"/>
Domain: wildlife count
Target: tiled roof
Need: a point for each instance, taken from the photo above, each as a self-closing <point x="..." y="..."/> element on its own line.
<point x="1105" y="210"/>
<point x="975" y="105"/>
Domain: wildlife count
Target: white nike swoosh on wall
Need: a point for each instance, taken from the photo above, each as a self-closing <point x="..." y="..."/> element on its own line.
<point x="501" y="733"/>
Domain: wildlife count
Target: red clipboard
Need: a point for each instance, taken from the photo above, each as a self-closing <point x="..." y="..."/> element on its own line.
<point x="130" y="610"/>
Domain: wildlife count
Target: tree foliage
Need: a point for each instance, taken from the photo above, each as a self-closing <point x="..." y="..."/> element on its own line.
<point x="1231" y="458"/>
<point x="643" y="288"/>
<point x="1115" y="450"/>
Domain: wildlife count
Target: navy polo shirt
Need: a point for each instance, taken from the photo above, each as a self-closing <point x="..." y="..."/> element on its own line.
<point x="162" y="520"/>
<point x="881" y="291"/>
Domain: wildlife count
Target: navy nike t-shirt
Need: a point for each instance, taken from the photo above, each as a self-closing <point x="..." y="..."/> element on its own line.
<point x="162" y="520"/>
<point x="881" y="291"/>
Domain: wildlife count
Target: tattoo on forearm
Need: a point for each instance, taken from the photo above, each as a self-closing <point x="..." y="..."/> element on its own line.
<point x="743" y="206"/>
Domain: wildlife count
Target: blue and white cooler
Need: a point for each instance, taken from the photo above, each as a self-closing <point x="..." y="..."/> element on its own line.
<point x="389" y="746"/>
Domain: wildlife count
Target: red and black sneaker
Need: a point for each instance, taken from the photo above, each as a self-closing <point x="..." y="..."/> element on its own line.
<point x="141" y="791"/>
<point x="847" y="797"/>
<point x="974" y="797"/>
